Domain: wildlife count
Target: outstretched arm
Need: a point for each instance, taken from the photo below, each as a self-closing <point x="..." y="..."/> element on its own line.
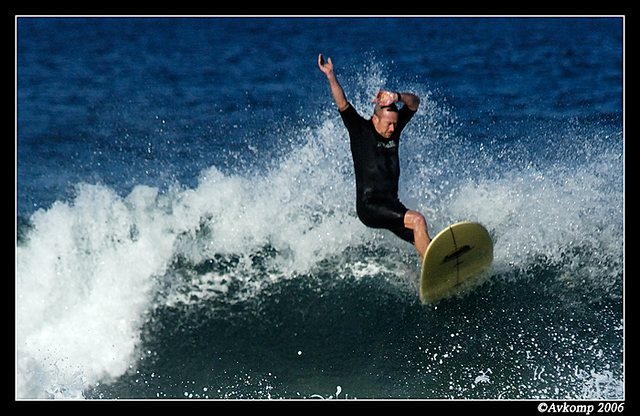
<point x="336" y="89"/>
<point x="386" y="98"/>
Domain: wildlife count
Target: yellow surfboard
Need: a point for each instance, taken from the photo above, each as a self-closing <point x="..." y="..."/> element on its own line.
<point x="458" y="253"/>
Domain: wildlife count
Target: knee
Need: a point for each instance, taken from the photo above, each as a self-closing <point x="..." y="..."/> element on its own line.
<point x="415" y="221"/>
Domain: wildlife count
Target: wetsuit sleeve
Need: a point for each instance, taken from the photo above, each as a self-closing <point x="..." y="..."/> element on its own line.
<point x="352" y="121"/>
<point x="350" y="116"/>
<point x="404" y="115"/>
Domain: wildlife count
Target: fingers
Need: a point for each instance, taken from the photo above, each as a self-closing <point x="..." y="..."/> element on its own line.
<point x="321" y="60"/>
<point x="380" y="97"/>
<point x="325" y="66"/>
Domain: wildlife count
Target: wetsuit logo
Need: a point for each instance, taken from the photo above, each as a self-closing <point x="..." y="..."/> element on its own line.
<point x="389" y="145"/>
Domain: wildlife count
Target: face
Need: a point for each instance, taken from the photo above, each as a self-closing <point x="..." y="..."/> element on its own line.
<point x="386" y="124"/>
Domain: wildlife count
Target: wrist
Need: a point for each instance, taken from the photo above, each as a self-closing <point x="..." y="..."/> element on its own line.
<point x="399" y="97"/>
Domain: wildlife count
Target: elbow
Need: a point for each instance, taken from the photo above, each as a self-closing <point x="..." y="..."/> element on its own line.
<point x="343" y="106"/>
<point x="413" y="105"/>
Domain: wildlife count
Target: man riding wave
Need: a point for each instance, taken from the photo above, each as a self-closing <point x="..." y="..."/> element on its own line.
<point x="374" y="147"/>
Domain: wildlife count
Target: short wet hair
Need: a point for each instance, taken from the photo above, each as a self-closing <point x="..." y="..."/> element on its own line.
<point x="378" y="109"/>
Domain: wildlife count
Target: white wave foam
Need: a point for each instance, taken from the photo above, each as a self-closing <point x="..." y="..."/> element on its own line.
<point x="88" y="271"/>
<point x="82" y="289"/>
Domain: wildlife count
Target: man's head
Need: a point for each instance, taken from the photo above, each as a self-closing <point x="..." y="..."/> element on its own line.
<point x="385" y="119"/>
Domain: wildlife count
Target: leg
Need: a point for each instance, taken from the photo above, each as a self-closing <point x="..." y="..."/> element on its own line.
<point x="416" y="222"/>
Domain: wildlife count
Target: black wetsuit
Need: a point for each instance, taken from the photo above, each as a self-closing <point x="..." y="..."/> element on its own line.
<point x="377" y="168"/>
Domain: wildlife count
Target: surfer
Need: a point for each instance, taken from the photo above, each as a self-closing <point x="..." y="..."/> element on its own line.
<point x="374" y="147"/>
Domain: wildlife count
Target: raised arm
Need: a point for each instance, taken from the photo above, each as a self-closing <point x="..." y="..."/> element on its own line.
<point x="385" y="98"/>
<point x="336" y="89"/>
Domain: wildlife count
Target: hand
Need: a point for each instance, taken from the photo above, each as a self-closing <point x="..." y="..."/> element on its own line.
<point x="336" y="89"/>
<point x="326" y="67"/>
<point x="385" y="98"/>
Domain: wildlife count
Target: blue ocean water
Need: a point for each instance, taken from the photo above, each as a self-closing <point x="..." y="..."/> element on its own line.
<point x="186" y="222"/>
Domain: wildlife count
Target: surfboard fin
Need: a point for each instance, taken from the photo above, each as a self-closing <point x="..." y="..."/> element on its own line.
<point x="456" y="253"/>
